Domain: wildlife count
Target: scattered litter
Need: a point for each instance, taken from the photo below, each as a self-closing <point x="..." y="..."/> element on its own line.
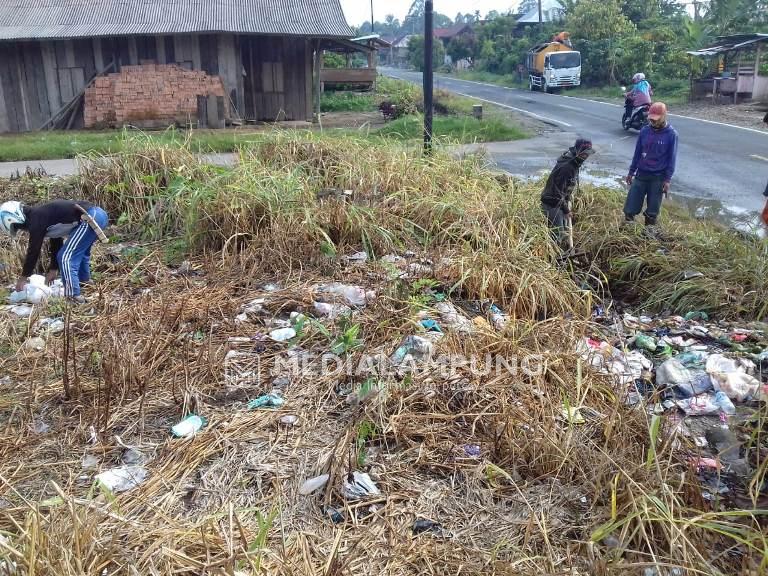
<point x="691" y="274"/>
<point x="281" y="382"/>
<point x="472" y="450"/>
<point x="282" y="334"/>
<point x="499" y="319"/>
<point x="353" y="295"/>
<point x="702" y="405"/>
<point x="22" y="310"/>
<point x="454" y="319"/>
<point x="331" y="311"/>
<point x="413" y="349"/>
<point x="37" y="291"/>
<point x="358" y="485"/>
<point x="697" y="315"/>
<point x="189" y="426"/>
<point x="729" y="377"/>
<point x="123" y="478"/>
<point x="289" y="420"/>
<point x="40" y="426"/>
<point x="335" y="516"/>
<point x="133" y="457"/>
<point x="357" y="258"/>
<point x="431" y="326"/>
<point x="90" y="462"/>
<point x="36" y="343"/>
<point x="705" y="464"/>
<point x="422" y="526"/>
<point x="267" y="401"/>
<point x="724" y="403"/>
<point x="572" y="415"/>
<point x="314" y="484"/>
<point x="51" y="325"/>
<point x="645" y="342"/>
<point x="686" y="382"/>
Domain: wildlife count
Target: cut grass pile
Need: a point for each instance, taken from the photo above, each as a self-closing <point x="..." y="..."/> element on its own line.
<point x="514" y="487"/>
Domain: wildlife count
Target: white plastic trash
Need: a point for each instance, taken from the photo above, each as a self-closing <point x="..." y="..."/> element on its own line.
<point x="35" y="292"/>
<point x="453" y="319"/>
<point x="352" y="295"/>
<point x="313" y="484"/>
<point x="331" y="311"/>
<point x="702" y="405"/>
<point x="283" y="334"/>
<point x="188" y="427"/>
<point x="358" y="485"/>
<point x="123" y="478"/>
<point x="22" y="310"/>
<point x="730" y="377"/>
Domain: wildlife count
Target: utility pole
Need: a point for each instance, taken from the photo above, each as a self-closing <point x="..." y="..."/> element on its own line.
<point x="372" y="30"/>
<point x="429" y="38"/>
<point x="541" y="20"/>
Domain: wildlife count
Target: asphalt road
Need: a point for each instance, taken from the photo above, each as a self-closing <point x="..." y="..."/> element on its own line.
<point x="716" y="162"/>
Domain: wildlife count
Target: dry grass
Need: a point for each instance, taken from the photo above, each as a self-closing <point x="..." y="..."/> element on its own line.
<point x="539" y="499"/>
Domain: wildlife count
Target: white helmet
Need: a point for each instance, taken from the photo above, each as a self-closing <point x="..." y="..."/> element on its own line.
<point x="11" y="213"/>
<point x="639" y="77"/>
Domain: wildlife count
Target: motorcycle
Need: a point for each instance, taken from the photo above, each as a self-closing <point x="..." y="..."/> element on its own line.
<point x="637" y="118"/>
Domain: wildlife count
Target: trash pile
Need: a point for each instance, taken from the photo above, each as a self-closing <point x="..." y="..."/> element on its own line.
<point x="707" y="377"/>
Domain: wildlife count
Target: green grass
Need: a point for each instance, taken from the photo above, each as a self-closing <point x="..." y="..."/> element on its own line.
<point x="347" y="102"/>
<point x="54" y="145"/>
<point x="489" y="77"/>
<point x="462" y="130"/>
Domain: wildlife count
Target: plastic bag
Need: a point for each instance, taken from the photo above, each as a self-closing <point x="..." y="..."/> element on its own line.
<point x="36" y="291"/>
<point x="123" y="478"/>
<point x="731" y="378"/>
<point x="702" y="405"/>
<point x="685" y="381"/>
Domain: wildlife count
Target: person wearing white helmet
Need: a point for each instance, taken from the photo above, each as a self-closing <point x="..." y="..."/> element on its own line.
<point x="57" y="221"/>
<point x="641" y="94"/>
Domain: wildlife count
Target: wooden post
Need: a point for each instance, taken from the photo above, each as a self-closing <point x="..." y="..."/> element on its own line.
<point x="736" y="90"/>
<point x="477" y="111"/>
<point x="318" y="89"/>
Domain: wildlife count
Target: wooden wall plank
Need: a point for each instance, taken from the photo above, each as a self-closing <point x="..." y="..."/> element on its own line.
<point x="170" y="50"/>
<point x="69" y="54"/>
<point x="48" y="51"/>
<point x="38" y="109"/>
<point x="160" y="49"/>
<point x="84" y="58"/>
<point x="209" y="54"/>
<point x="98" y="55"/>
<point x="133" y="51"/>
<point x="9" y="78"/>
<point x="4" y="125"/>
<point x="228" y="71"/>
<point x="65" y="84"/>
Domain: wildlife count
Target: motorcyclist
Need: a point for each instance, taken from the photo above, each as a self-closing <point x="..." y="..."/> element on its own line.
<point x="639" y="95"/>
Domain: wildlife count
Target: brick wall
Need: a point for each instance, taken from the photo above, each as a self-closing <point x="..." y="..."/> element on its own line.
<point x="150" y="95"/>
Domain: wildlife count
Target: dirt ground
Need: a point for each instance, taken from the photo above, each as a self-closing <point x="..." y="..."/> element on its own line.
<point x="748" y="115"/>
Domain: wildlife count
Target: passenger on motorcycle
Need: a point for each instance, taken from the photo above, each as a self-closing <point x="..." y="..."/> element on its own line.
<point x="639" y="95"/>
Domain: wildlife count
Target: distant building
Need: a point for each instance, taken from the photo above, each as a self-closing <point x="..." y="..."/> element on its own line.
<point x="551" y="11"/>
<point x="155" y="59"/>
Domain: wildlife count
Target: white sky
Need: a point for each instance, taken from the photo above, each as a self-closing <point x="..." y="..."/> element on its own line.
<point x="359" y="11"/>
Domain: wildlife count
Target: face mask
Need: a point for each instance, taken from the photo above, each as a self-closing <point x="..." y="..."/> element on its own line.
<point x="658" y="124"/>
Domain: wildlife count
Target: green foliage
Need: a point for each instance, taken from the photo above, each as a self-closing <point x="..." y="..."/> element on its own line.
<point x="347" y="102"/>
<point x="416" y="53"/>
<point x="333" y="60"/>
<point x="462" y="47"/>
<point x="453" y="129"/>
<point x="348" y="341"/>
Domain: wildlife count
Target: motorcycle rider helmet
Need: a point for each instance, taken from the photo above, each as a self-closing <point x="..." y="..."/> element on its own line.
<point x="11" y="215"/>
<point x="639" y="77"/>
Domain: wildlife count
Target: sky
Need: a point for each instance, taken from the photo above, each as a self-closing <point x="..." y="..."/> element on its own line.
<point x="359" y="11"/>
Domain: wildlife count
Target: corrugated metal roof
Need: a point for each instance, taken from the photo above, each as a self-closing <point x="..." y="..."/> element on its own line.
<point x="35" y="19"/>
<point x="730" y="44"/>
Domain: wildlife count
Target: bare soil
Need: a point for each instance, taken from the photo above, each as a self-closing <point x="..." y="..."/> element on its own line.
<point x="748" y="115"/>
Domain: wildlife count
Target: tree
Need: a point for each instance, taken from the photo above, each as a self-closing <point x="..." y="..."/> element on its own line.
<point x="459" y="18"/>
<point x="462" y="47"/>
<point x="416" y="53"/>
<point x="598" y="27"/>
<point x="492" y="15"/>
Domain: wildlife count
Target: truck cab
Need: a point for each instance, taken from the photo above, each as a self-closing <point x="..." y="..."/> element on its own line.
<point x="552" y="66"/>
